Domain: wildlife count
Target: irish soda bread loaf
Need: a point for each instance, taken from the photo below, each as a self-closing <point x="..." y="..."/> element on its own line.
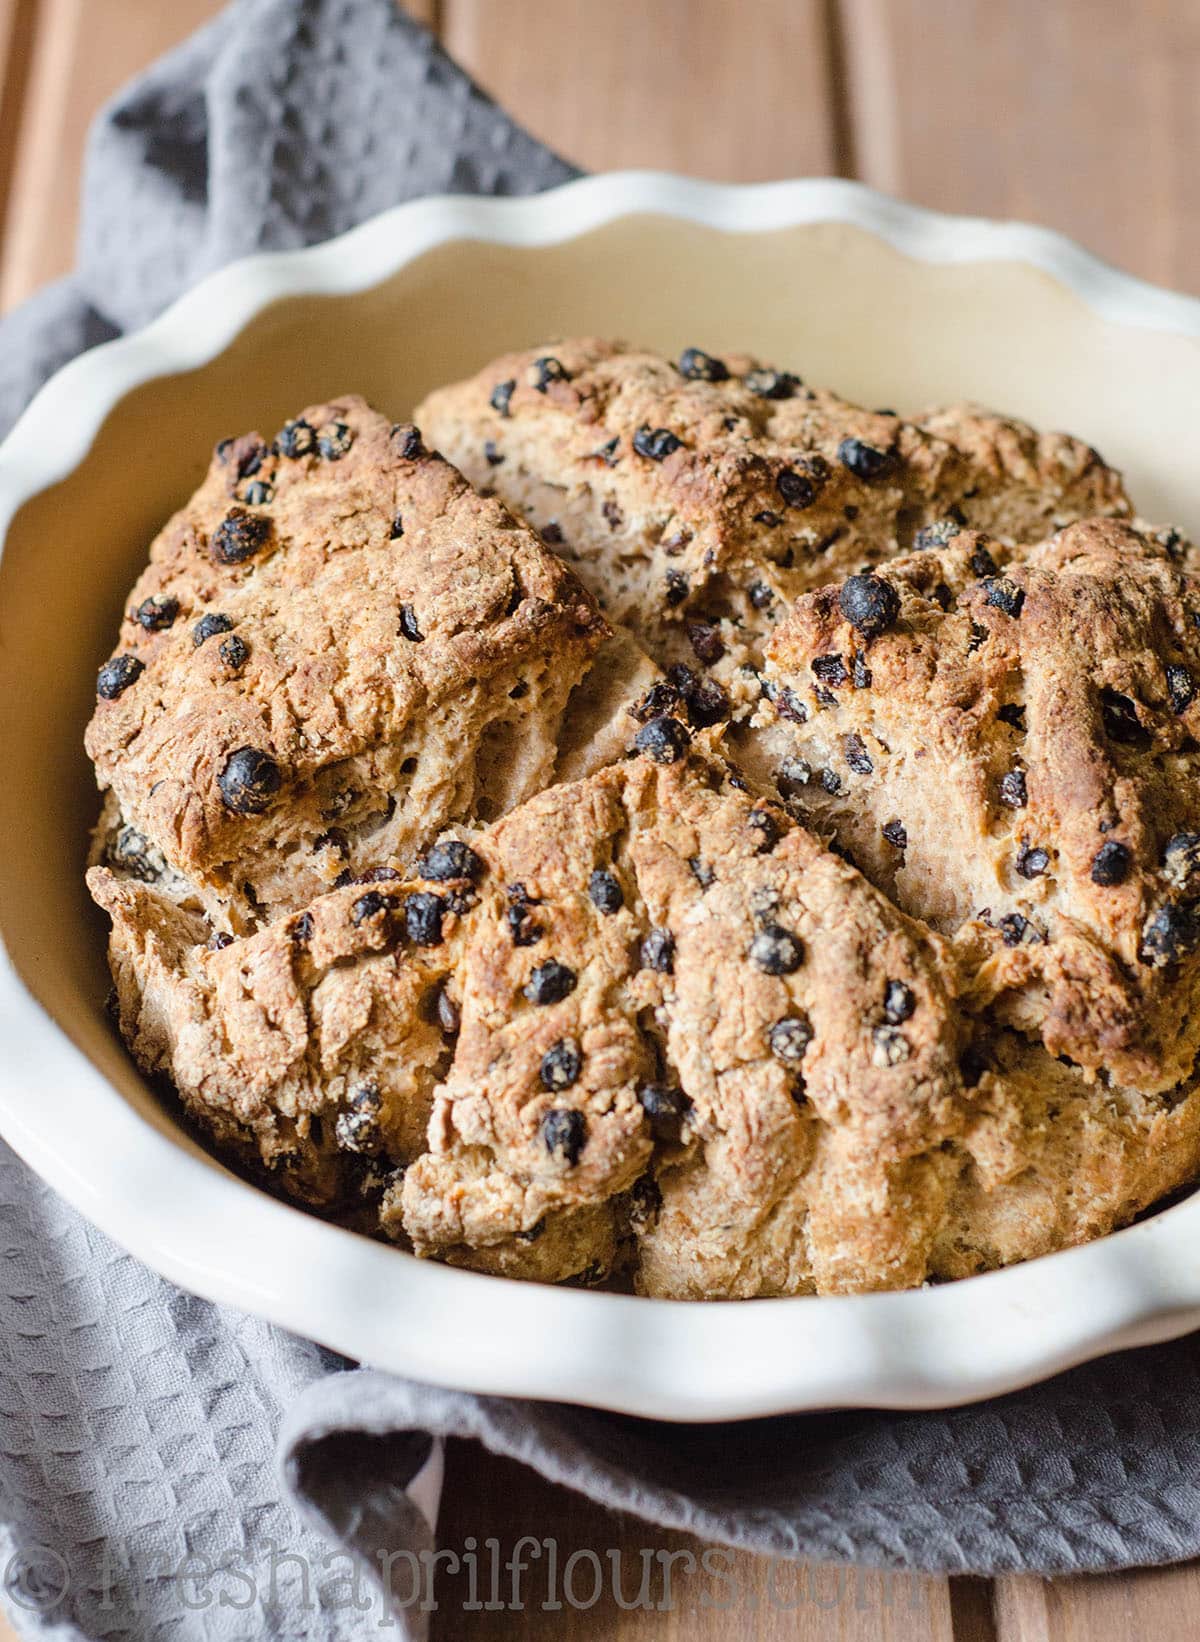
<point x="711" y="837"/>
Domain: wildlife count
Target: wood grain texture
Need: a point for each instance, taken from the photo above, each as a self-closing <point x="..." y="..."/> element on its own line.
<point x="82" y="52"/>
<point x="1158" y="1603"/>
<point x="715" y="90"/>
<point x="1154" y="1603"/>
<point x="1081" y="115"/>
<point x="17" y="23"/>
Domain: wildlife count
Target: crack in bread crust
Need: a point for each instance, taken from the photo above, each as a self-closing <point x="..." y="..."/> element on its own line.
<point x="384" y="631"/>
<point x="1040" y="762"/>
<point x="751" y="499"/>
<point x="830" y="924"/>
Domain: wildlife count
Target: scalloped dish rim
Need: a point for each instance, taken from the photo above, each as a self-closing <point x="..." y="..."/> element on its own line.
<point x="163" y="1200"/>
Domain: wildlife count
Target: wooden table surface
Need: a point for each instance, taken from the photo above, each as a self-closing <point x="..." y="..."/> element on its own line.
<point x="1080" y="114"/>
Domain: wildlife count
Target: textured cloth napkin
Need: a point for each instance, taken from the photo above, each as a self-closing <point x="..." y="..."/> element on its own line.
<point x="171" y="1469"/>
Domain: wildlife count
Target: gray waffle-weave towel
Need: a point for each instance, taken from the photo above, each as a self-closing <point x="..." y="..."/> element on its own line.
<point x="142" y="1492"/>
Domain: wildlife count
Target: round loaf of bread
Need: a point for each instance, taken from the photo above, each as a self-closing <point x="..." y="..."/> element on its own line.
<point x="693" y="833"/>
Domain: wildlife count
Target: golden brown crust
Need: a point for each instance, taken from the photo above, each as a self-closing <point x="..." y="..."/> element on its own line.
<point x="1050" y="1159"/>
<point x="322" y="1017"/>
<point x="731" y="1064"/>
<point x="681" y="500"/>
<point x="391" y="652"/>
<point x="908" y="1000"/>
<point x="1032" y="733"/>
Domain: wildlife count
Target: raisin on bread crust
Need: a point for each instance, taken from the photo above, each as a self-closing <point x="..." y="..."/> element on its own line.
<point x="1014" y="759"/>
<point x="337" y="648"/>
<point x="696" y="501"/>
<point x="828" y="922"/>
<point x="654" y="1025"/>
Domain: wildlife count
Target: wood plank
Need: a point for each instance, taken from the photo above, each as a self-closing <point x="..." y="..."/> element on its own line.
<point x="428" y="12"/>
<point x="730" y="92"/>
<point x="17" y="18"/>
<point x="59" y="62"/>
<point x="737" y="95"/>
<point x="1078" y="115"/>
<point x="82" y="53"/>
<point x="1153" y="1602"/>
<point x="692" y="1592"/>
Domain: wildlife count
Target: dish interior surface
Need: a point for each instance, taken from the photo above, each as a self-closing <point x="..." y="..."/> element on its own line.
<point x="830" y="301"/>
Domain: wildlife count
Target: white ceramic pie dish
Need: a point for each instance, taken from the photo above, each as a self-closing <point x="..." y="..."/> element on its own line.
<point x="888" y="304"/>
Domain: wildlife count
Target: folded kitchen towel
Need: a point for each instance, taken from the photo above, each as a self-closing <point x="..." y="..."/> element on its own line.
<point x="142" y="1494"/>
